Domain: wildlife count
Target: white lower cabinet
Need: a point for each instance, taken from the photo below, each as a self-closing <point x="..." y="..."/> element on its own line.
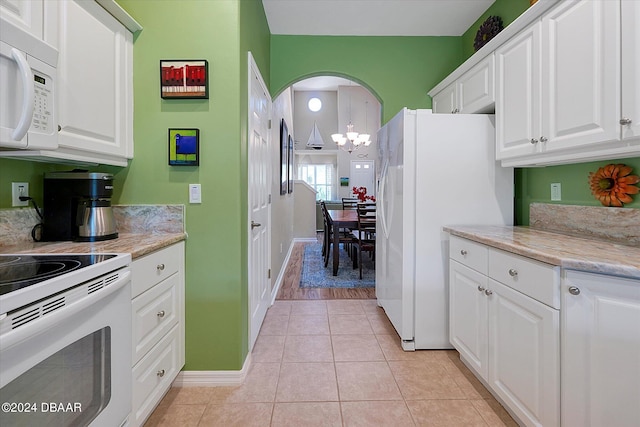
<point x="600" y="350"/>
<point x="158" y="327"/>
<point x="524" y="355"/>
<point x="509" y="338"/>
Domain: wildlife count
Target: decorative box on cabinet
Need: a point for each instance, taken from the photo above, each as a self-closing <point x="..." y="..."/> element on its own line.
<point x="558" y="97"/>
<point x="473" y="92"/>
<point x="157" y="291"/>
<point x="600" y="350"/>
<point x="503" y="328"/>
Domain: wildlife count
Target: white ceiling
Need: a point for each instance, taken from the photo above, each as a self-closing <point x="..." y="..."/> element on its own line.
<point x="373" y="17"/>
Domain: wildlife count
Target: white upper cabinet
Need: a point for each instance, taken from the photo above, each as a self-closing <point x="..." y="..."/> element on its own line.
<point x="476" y="88"/>
<point x="95" y="71"/>
<point x="473" y="92"/>
<point x="563" y="82"/>
<point x="630" y="119"/>
<point x="445" y="101"/>
<point x="581" y="74"/>
<point x="27" y="15"/>
<point x="518" y="80"/>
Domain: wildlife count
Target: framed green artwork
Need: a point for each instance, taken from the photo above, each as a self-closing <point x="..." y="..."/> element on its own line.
<point x="184" y="147"/>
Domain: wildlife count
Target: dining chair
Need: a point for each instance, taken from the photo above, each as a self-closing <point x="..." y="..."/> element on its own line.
<point x="349" y="203"/>
<point x="365" y="235"/>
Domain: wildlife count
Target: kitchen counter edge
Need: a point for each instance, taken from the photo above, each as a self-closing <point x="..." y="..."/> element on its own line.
<point x="137" y="245"/>
<point x="566" y="251"/>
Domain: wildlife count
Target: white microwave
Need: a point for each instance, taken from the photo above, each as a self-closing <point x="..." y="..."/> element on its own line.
<point x="28" y="117"/>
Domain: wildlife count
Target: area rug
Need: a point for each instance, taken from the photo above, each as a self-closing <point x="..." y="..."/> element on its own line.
<point x="316" y="275"/>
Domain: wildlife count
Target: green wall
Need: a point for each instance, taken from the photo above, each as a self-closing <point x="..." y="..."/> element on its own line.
<point x="398" y="70"/>
<point x="534" y="185"/>
<point x="508" y="10"/>
<point x="216" y="269"/>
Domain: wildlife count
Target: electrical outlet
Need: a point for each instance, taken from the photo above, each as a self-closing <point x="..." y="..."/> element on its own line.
<point x="19" y="189"/>
<point x="556" y="192"/>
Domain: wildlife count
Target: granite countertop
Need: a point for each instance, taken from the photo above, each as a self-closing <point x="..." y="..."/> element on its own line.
<point x="567" y="251"/>
<point x="134" y="243"/>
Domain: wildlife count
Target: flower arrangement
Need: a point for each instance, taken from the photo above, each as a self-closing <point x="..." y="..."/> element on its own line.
<point x="361" y="194"/>
<point x="613" y="184"/>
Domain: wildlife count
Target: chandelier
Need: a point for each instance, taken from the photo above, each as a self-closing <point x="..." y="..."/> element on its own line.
<point x="353" y="140"/>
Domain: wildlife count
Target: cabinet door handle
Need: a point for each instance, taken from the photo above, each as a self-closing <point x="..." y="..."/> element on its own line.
<point x="160" y="373"/>
<point x="463" y="252"/>
<point x="533" y="141"/>
<point x="160" y="267"/>
<point x="543" y="139"/>
<point x="513" y="272"/>
<point x="488" y="292"/>
<point x="480" y="288"/>
<point x="255" y="224"/>
<point x="161" y="313"/>
<point x="625" y="121"/>
<point x="574" y="290"/>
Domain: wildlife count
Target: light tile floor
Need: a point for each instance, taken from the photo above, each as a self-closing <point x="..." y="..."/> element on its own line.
<point x="337" y="363"/>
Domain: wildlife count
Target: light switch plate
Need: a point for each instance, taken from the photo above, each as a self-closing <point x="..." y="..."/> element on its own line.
<point x="556" y="192"/>
<point x="195" y="193"/>
<point x="19" y="189"/>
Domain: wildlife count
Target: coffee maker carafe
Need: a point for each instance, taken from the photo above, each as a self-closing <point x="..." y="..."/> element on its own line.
<point x="77" y="206"/>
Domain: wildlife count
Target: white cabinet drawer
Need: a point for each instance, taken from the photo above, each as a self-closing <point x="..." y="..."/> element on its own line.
<point x="153" y="376"/>
<point x="154" y="313"/>
<point x="536" y="279"/>
<point x="473" y="255"/>
<point x="155" y="267"/>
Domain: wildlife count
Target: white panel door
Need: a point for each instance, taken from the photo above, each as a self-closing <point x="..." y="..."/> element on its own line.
<point x="524" y="352"/>
<point x="518" y="80"/>
<point x="600" y="350"/>
<point x="581" y="78"/>
<point x="363" y="174"/>
<point x="94" y="70"/>
<point x="468" y="316"/>
<point x="631" y="68"/>
<point x="259" y="205"/>
<point x="27" y="15"/>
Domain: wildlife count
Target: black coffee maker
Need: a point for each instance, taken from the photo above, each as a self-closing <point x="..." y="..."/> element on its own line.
<point x="77" y="206"/>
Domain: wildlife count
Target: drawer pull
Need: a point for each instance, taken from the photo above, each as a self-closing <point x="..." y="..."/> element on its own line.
<point x="480" y="288"/>
<point x="160" y="373"/>
<point x="513" y="272"/>
<point x="463" y="252"/>
<point x="160" y="267"/>
<point x="574" y="291"/>
<point x="488" y="292"/>
<point x="161" y="313"/>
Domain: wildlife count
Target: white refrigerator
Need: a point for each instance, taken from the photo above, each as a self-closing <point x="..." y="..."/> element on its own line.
<point x="436" y="170"/>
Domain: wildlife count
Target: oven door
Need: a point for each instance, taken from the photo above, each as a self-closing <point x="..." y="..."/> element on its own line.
<point x="71" y="367"/>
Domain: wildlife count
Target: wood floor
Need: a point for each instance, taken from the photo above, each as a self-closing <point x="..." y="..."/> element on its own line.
<point x="290" y="288"/>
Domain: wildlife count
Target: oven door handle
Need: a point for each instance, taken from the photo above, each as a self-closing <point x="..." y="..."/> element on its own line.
<point x="34" y="328"/>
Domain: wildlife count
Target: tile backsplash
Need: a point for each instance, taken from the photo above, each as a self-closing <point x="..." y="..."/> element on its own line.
<point x="16" y="224"/>
<point x="621" y="225"/>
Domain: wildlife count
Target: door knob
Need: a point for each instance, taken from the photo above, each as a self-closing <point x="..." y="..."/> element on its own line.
<point x="480" y="288"/>
<point x="255" y="224"/>
<point x="534" y="141"/>
<point x="574" y="290"/>
<point x="543" y="139"/>
<point x="625" y="121"/>
<point x="488" y="292"/>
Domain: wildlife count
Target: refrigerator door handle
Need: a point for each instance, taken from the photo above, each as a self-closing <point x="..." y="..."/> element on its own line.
<point x="383" y="182"/>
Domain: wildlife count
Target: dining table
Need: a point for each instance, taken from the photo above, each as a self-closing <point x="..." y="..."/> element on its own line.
<point x="342" y="218"/>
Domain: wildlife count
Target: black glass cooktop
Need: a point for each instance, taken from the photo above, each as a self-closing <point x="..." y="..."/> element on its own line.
<point x="20" y="271"/>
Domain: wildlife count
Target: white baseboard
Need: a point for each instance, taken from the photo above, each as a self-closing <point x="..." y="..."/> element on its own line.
<point x="212" y="378"/>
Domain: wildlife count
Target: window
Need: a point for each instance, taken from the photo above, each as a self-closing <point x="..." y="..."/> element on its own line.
<point x="320" y="177"/>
